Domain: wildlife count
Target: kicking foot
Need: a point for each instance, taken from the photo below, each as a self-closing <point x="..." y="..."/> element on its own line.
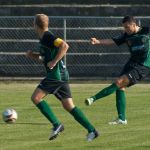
<point x="89" y="101"/>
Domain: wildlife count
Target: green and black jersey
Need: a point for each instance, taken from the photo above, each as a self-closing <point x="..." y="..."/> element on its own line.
<point x="139" y="45"/>
<point x="48" y="50"/>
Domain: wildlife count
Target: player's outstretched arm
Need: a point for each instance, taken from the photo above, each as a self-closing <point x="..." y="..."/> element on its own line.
<point x="95" y="41"/>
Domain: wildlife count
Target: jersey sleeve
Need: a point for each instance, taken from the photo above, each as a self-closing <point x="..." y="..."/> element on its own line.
<point x="57" y="42"/>
<point x="119" y="39"/>
<point x="49" y="40"/>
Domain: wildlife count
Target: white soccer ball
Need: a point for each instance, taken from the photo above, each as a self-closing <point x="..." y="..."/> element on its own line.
<point x="10" y="115"/>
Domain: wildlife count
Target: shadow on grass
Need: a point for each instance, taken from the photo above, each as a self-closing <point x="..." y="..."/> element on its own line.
<point x="94" y="146"/>
<point x="25" y="123"/>
<point x="145" y="147"/>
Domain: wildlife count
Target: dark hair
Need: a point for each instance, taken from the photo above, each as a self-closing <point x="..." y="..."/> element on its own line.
<point x="129" y="19"/>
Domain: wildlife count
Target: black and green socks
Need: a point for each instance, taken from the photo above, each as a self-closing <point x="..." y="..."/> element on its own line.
<point x="121" y="104"/>
<point x="48" y="113"/>
<point x="81" y="118"/>
<point x="105" y="92"/>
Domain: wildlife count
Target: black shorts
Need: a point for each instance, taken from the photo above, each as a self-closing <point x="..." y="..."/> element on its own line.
<point x="58" y="88"/>
<point x="135" y="72"/>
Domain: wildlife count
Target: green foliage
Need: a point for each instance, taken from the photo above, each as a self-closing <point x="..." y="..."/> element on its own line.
<point x="31" y="130"/>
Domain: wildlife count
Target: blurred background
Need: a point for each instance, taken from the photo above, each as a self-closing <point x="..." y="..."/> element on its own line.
<point x="75" y="21"/>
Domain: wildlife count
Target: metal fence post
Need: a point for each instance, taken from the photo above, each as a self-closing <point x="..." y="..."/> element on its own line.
<point x="65" y="38"/>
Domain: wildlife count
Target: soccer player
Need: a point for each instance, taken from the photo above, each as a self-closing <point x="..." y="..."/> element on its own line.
<point x="138" y="67"/>
<point x="52" y="50"/>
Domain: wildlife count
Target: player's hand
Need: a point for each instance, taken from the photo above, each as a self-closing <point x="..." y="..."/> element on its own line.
<point x="29" y="53"/>
<point x="94" y="41"/>
<point x="51" y="64"/>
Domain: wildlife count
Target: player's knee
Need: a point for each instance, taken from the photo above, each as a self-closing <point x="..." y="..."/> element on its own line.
<point x="119" y="83"/>
<point x="122" y="89"/>
<point x="67" y="107"/>
<point x="35" y="99"/>
<point x="68" y="104"/>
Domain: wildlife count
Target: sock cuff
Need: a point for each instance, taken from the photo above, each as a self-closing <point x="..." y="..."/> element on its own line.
<point x="40" y="103"/>
<point x="120" y="91"/>
<point x="74" y="110"/>
<point x="115" y="86"/>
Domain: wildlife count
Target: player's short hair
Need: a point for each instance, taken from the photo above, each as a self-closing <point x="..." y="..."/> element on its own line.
<point x="41" y="20"/>
<point x="129" y="19"/>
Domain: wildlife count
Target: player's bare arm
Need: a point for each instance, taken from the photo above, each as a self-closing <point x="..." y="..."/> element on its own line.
<point x="63" y="47"/>
<point x="33" y="55"/>
<point x="95" y="41"/>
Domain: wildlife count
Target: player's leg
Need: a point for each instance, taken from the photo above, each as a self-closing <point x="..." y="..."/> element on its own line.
<point x="121" y="103"/>
<point x="45" y="87"/>
<point x="37" y="98"/>
<point x="110" y="89"/>
<point x="80" y="117"/>
<point x="64" y="94"/>
<point x="121" y="82"/>
<point x="120" y="94"/>
<point x="131" y="76"/>
<point x="104" y="92"/>
<point x="121" y="100"/>
<point x="121" y="107"/>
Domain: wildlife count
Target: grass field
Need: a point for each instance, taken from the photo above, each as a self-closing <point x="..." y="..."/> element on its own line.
<point x="31" y="130"/>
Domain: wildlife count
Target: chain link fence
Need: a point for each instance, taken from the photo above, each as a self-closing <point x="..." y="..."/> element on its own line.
<point x="84" y="61"/>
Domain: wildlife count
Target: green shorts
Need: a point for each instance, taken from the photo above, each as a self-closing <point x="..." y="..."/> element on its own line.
<point x="60" y="89"/>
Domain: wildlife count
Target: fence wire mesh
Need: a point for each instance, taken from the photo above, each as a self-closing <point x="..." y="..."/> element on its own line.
<point x="83" y="59"/>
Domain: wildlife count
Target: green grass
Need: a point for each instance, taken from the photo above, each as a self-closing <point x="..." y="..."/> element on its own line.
<point x="31" y="130"/>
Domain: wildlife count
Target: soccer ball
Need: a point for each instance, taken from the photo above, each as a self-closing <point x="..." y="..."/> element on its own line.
<point x="10" y="115"/>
